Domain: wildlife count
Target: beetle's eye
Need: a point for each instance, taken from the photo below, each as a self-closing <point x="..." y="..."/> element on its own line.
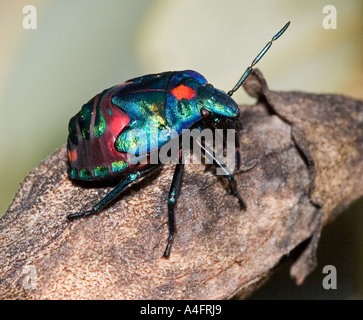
<point x="204" y="112"/>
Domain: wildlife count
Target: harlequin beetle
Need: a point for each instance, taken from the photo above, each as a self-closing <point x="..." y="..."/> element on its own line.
<point x="98" y="142"/>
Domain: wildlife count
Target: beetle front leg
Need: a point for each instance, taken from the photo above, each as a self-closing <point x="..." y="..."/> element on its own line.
<point x="219" y="163"/>
<point x="113" y="193"/>
<point x="232" y="125"/>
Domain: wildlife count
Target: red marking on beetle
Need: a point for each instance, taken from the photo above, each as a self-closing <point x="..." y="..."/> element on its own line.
<point x="183" y="92"/>
<point x="118" y="122"/>
<point x="72" y="155"/>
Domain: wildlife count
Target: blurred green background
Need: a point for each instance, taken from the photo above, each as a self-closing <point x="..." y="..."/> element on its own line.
<point x="81" y="47"/>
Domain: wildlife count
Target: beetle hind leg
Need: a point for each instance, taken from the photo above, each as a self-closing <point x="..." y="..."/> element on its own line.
<point x="79" y="214"/>
<point x="133" y="176"/>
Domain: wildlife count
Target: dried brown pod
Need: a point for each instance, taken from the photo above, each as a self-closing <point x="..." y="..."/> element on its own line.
<point x="302" y="163"/>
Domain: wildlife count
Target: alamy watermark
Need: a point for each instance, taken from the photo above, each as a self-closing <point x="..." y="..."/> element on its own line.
<point x="330" y="18"/>
<point x="217" y="146"/>
<point x="330" y="280"/>
<point x="30" y="18"/>
<point x="30" y="278"/>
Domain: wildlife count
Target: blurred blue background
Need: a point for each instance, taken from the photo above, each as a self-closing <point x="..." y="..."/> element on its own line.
<point x="81" y="47"/>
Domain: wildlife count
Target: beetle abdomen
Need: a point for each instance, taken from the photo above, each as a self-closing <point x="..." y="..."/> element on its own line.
<point x="92" y="134"/>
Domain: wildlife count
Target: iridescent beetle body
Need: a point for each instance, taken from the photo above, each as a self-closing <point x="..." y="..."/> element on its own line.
<point x="100" y="140"/>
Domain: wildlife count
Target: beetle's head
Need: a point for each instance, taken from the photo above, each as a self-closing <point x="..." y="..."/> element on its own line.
<point x="214" y="104"/>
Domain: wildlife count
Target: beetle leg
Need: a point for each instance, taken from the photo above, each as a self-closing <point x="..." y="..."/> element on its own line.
<point x="219" y="163"/>
<point x="173" y="195"/>
<point x="238" y="155"/>
<point x="113" y="193"/>
<point x="232" y="125"/>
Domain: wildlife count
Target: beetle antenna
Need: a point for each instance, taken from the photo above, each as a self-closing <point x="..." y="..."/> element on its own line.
<point x="258" y="58"/>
